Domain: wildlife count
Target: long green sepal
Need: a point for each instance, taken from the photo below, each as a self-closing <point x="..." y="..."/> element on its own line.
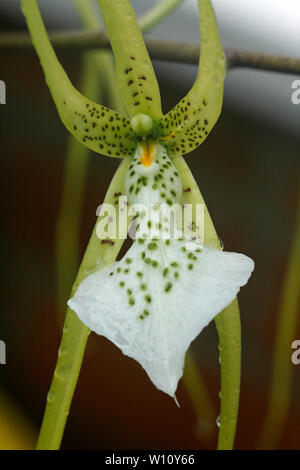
<point x="94" y="125"/>
<point x="227" y="323"/>
<point x="135" y="74"/>
<point x="75" y="334"/>
<point x="188" y="124"/>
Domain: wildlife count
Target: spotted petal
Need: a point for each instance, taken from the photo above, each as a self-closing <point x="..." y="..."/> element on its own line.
<point x="135" y="74"/>
<point x="188" y="124"/>
<point x="154" y="302"/>
<point x="99" y="128"/>
<point x="160" y="296"/>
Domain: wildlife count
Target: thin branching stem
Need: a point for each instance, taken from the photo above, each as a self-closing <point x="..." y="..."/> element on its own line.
<point x="168" y="51"/>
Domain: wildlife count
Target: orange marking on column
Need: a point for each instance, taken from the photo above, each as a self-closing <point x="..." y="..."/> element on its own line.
<point x="147" y="155"/>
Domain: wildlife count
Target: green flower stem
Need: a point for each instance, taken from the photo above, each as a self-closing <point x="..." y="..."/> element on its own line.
<point x="280" y="393"/>
<point x="156" y="14"/>
<point x="229" y="330"/>
<point x="227" y="323"/>
<point x="59" y="398"/>
<point x="75" y="334"/>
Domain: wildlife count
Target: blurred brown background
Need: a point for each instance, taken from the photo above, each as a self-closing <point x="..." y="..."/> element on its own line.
<point x="248" y="174"/>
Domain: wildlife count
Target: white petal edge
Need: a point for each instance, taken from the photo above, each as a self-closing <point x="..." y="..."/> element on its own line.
<point x="175" y="318"/>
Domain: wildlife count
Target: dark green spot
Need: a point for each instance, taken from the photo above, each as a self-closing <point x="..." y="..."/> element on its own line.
<point x="152" y="246"/>
<point x="168" y="287"/>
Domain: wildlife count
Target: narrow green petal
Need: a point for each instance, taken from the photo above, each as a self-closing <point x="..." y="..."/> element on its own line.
<point x="99" y="128"/>
<point x="135" y="74"/>
<point x="187" y="125"/>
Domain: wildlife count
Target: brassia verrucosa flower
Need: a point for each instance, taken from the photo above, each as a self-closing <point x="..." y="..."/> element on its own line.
<point x="157" y="299"/>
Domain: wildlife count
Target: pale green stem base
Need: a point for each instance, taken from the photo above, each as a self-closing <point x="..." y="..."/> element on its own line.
<point x="70" y="356"/>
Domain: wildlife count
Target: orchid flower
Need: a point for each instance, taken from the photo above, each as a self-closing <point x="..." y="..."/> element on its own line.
<point x="158" y="298"/>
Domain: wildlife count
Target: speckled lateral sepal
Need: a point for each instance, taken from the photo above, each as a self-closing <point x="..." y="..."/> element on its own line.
<point x="188" y="124"/>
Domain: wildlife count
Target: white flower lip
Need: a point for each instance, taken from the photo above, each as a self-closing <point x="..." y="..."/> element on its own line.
<point x="158" y="298"/>
<point x="152" y="309"/>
